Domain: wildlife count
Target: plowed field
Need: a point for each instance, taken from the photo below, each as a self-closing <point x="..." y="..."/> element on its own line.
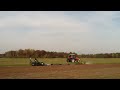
<point x="91" y="71"/>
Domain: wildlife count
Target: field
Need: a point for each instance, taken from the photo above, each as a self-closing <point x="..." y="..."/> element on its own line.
<point x="96" y="68"/>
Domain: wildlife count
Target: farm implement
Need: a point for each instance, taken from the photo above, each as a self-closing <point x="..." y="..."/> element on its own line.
<point x="35" y="62"/>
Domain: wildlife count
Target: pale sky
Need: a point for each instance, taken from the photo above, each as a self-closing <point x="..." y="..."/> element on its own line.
<point x="86" y="32"/>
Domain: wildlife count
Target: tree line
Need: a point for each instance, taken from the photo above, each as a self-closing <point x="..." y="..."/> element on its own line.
<point x="27" y="53"/>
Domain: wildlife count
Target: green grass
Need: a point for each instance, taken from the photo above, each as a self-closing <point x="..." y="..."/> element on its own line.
<point x="25" y="61"/>
<point x="102" y="60"/>
<point x="14" y="62"/>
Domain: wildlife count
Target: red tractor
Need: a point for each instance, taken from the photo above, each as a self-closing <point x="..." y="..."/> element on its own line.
<point x="73" y="58"/>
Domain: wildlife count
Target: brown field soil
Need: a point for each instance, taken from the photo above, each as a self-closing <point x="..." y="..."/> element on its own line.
<point x="91" y="71"/>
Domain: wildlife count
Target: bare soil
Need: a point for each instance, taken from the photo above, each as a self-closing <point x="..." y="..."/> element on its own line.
<point x="91" y="71"/>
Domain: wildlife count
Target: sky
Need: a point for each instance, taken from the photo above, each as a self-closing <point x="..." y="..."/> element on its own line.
<point x="83" y="32"/>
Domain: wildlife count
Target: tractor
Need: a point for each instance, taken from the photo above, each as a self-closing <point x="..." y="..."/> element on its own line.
<point x="74" y="59"/>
